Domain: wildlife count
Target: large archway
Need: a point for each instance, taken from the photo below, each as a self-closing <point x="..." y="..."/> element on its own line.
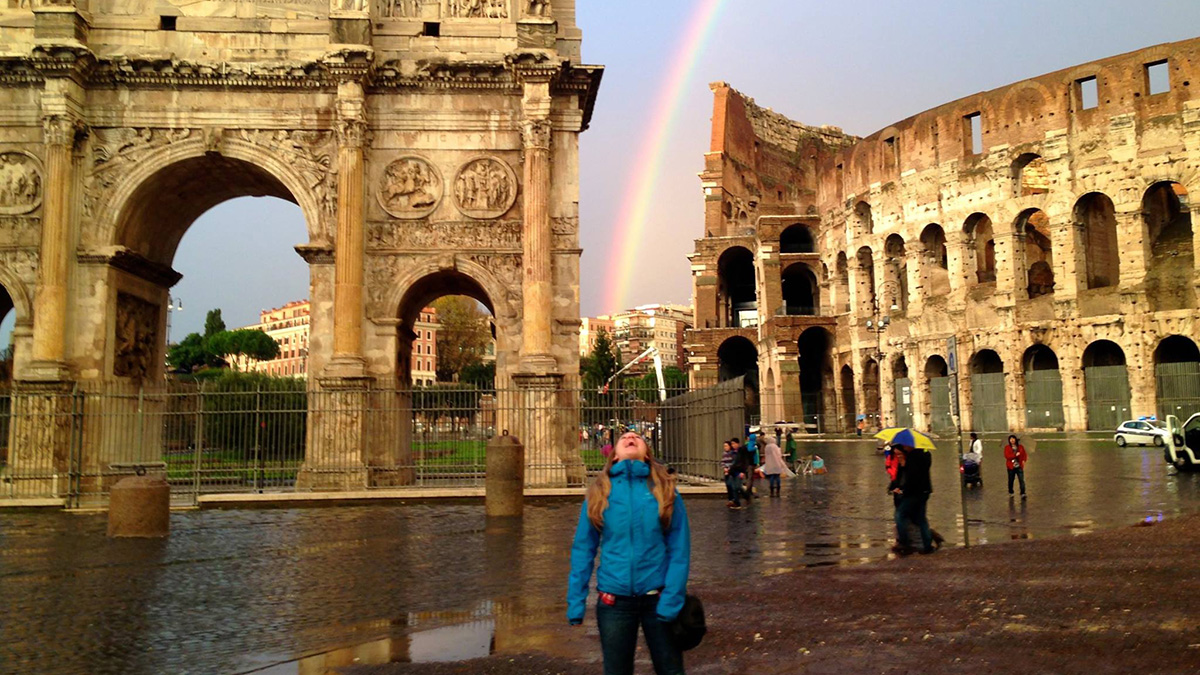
<point x="1034" y="226"/>
<point x="849" y="405"/>
<point x="1043" y="388"/>
<point x="989" y="409"/>
<point x="737" y="288"/>
<point x="1168" y="216"/>
<point x="902" y="390"/>
<point x="816" y="380"/>
<point x="797" y="239"/>
<point x="935" y="261"/>
<point x="738" y="357"/>
<point x="1096" y="219"/>
<point x="982" y="242"/>
<point x="1106" y="380"/>
<point x="937" y="378"/>
<point x="801" y="292"/>
<point x="873" y="402"/>
<point x="1177" y="377"/>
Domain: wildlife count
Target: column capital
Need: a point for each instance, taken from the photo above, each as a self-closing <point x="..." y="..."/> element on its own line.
<point x="63" y="130"/>
<point x="535" y="134"/>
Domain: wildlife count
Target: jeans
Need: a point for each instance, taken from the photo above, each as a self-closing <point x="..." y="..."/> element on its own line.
<point x="1016" y="473"/>
<point x="729" y="488"/>
<point x="735" y="485"/>
<point x="773" y="482"/>
<point x="618" y="625"/>
<point x="910" y="509"/>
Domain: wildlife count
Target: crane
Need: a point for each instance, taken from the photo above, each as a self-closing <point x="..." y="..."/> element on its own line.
<point x="652" y="351"/>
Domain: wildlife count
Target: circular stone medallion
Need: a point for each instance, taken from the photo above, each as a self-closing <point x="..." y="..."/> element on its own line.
<point x="411" y="188"/>
<point x="485" y="187"/>
<point x="20" y="183"/>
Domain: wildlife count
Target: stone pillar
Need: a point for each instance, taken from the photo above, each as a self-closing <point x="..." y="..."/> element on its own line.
<point x="537" y="236"/>
<point x="1010" y="272"/>
<point x="505" y="484"/>
<point x="1135" y="250"/>
<point x="1070" y="263"/>
<point x="348" y="262"/>
<point x="50" y="303"/>
<point x="916" y="267"/>
<point x="960" y="261"/>
<point x="1074" y="397"/>
<point x="534" y="412"/>
<point x="789" y="389"/>
<point x="1143" y="385"/>
<point x="887" y="392"/>
<point x="920" y="390"/>
<point x="140" y="506"/>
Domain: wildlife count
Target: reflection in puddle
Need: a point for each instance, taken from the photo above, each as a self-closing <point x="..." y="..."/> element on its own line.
<point x="460" y="642"/>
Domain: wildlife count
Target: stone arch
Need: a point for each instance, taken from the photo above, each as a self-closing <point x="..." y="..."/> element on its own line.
<point x="1024" y="102"/>
<point x="1043" y="388"/>
<point x="936" y="259"/>
<point x="872" y="402"/>
<point x="989" y="407"/>
<point x="1030" y="175"/>
<point x="863" y="220"/>
<point x="1167" y="214"/>
<point x="797" y="238"/>
<point x="981" y="240"/>
<point x="817" y="401"/>
<point x="841" y="283"/>
<point x="896" y="273"/>
<point x="801" y="290"/>
<point x="737" y="287"/>
<point x="1177" y="376"/>
<point x="1033" y="226"/>
<point x="936" y="385"/>
<point x="902" y="391"/>
<point x="1106" y="381"/>
<point x="737" y="356"/>
<point x="849" y="404"/>
<point x="865" y="259"/>
<point x="14" y="298"/>
<point x="1096" y="219"/>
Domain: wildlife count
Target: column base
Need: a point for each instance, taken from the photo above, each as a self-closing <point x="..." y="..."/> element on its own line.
<point x="539" y="365"/>
<point x="345" y="367"/>
<point x="47" y="372"/>
<point x="332" y="478"/>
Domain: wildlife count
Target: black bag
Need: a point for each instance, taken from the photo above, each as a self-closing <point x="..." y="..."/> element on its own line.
<point x="688" y="629"/>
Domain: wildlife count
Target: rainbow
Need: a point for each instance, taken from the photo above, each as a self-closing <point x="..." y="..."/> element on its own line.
<point x="640" y="191"/>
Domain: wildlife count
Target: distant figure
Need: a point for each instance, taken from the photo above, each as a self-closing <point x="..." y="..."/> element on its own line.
<point x="862" y="424"/>
<point x="1015" y="457"/>
<point x="790" y="448"/>
<point x="976" y="445"/>
<point x="912" y="487"/>
<point x="727" y="456"/>
<point x="774" y="468"/>
<point x="740" y="472"/>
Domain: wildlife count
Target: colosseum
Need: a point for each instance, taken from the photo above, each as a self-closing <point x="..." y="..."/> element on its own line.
<point x="1024" y="255"/>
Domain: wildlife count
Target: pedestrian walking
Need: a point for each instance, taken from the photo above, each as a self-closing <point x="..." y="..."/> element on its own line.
<point x="1015" y="457"/>
<point x="862" y="424"/>
<point x="727" y="455"/>
<point x="790" y="447"/>
<point x="775" y="468"/>
<point x="740" y="473"/>
<point x="912" y="486"/>
<point x="636" y="520"/>
<point x="976" y="445"/>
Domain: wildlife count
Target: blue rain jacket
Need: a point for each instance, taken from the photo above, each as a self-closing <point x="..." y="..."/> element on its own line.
<point x="636" y="555"/>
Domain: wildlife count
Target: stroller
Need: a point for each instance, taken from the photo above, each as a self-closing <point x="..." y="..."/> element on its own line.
<point x="971" y="474"/>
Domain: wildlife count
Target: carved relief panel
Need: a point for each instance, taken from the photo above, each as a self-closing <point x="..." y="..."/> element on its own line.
<point x="485" y="187"/>
<point x="477" y="9"/>
<point x="411" y="188"/>
<point x="136" y="337"/>
<point x="20" y="183"/>
<point x="399" y="9"/>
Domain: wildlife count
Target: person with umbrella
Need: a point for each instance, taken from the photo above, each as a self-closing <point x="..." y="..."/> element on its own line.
<point x="911" y="486"/>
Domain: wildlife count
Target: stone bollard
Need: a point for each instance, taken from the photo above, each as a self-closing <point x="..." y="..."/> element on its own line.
<point x="505" y="480"/>
<point x="140" y="506"/>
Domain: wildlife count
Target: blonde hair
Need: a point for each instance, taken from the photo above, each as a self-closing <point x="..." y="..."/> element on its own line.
<point x="661" y="484"/>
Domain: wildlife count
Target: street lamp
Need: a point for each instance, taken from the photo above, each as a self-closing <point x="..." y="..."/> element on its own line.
<point x="173" y="305"/>
<point x="879" y="325"/>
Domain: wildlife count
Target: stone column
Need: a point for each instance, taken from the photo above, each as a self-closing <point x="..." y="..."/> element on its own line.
<point x="1135" y="253"/>
<point x="348" y="262"/>
<point x="537" y="240"/>
<point x="1011" y="280"/>
<point x="887" y="392"/>
<point x="960" y="264"/>
<point x="50" y="303"/>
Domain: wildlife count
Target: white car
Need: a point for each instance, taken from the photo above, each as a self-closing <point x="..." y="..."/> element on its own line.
<point x="1141" y="432"/>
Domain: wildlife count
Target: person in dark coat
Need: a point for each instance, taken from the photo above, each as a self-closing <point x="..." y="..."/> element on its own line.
<point x="740" y="472"/>
<point x="912" y="487"/>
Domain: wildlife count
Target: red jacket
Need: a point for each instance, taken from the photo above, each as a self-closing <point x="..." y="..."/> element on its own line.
<point x="1016" y="458"/>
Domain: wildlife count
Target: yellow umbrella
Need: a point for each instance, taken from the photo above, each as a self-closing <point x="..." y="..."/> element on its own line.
<point x="907" y="437"/>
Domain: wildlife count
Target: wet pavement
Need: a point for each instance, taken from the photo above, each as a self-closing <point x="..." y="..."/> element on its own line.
<point x="306" y="590"/>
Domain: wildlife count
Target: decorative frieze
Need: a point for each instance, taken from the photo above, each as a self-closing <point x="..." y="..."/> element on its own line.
<point x="485" y="187"/>
<point x="21" y="185"/>
<point x="411" y="188"/>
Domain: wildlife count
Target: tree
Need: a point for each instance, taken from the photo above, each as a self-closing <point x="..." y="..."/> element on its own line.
<point x="210" y="349"/>
<point x="189" y="354"/>
<point x="481" y="375"/>
<point x="213" y="323"/>
<point x="603" y="362"/>
<point x="463" y="337"/>
<point x="676" y="382"/>
<point x="244" y="342"/>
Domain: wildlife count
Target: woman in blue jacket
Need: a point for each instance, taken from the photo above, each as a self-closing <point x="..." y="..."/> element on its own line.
<point x="636" y="518"/>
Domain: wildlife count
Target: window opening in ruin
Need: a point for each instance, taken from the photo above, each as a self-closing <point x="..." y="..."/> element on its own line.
<point x="936" y="261"/>
<point x="737" y="294"/>
<point x="973" y="133"/>
<point x="1168" y="217"/>
<point x="866" y="281"/>
<point x="796" y="239"/>
<point x="1031" y="175"/>
<point x="863" y="219"/>
<point x="891" y="156"/>
<point x="800" y="291"/>
<point x="978" y="229"/>
<point x="1096" y="220"/>
<point x="842" y="284"/>
<point x="1158" y="77"/>
<point x="432" y="29"/>
<point x="896" y="271"/>
<point x="1039" y="253"/>
<point x="166" y="22"/>
<point x="1088" y="92"/>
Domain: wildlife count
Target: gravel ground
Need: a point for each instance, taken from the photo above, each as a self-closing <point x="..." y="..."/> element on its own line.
<point x="1119" y="601"/>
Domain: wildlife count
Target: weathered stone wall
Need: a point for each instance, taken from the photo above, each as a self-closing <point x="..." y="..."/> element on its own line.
<point x="1052" y="233"/>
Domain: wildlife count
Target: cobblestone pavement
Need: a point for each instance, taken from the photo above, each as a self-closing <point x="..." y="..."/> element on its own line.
<point x="235" y="591"/>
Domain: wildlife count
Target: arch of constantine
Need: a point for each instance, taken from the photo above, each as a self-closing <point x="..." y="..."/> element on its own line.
<point x="1038" y="241"/>
<point x="432" y="146"/>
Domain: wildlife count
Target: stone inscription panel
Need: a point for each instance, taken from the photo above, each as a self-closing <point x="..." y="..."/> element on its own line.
<point x="249" y="9"/>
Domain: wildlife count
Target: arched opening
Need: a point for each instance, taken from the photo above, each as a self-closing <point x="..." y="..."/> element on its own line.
<point x="737" y="357"/>
<point x="1177" y="376"/>
<point x="989" y="411"/>
<point x="447" y="334"/>
<point x="849" y="405"/>
<point x="864" y="223"/>
<point x="866" y="281"/>
<point x="982" y="245"/>
<point x="895" y="282"/>
<point x="1043" y="388"/>
<point x="1096" y="219"/>
<point x="902" y="387"/>
<point x="872" y="403"/>
<point x="816" y="380"/>
<point x="1034" y="224"/>
<point x="1169" y="272"/>
<point x="937" y="377"/>
<point x="842" y="283"/>
<point x="737" y="288"/>
<point x="796" y="239"/>
<point x="1106" y="380"/>
<point x="936" y="261"/>
<point x="801" y="295"/>
<point x="253" y="241"/>
<point x="8" y="322"/>
<point x="1031" y="175"/>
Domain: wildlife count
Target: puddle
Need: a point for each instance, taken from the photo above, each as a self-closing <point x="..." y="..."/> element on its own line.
<point x="461" y="642"/>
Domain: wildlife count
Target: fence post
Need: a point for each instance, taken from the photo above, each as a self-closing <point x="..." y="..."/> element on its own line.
<point x="198" y="450"/>
<point x="257" y="433"/>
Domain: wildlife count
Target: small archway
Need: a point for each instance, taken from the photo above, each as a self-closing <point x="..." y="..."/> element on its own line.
<point x="797" y="239"/>
<point x="841" y="282"/>
<point x="902" y="390"/>
<point x="866" y="281"/>
<point x="864" y="222"/>
<point x="816" y="379"/>
<point x="737" y="357"/>
<point x="1043" y="388"/>
<point x="936" y="261"/>
<point x="737" y="288"/>
<point x="1096" y="219"/>
<point x="1168" y="217"/>
<point x="1177" y="377"/>
<point x="416" y="339"/>
<point x="896" y="273"/>
<point x="872" y="403"/>
<point x="801" y="294"/>
<point x="1031" y="175"/>
<point x="937" y="381"/>
<point x="1034" y="224"/>
<point x="1106" y="380"/>
<point x="849" y="405"/>
<point x="989" y="409"/>
<point x="982" y="245"/>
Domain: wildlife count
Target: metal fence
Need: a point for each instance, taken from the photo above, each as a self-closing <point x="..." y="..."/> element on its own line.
<point x="279" y="437"/>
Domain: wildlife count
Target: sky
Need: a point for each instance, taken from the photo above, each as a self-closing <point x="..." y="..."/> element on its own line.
<point x="860" y="66"/>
